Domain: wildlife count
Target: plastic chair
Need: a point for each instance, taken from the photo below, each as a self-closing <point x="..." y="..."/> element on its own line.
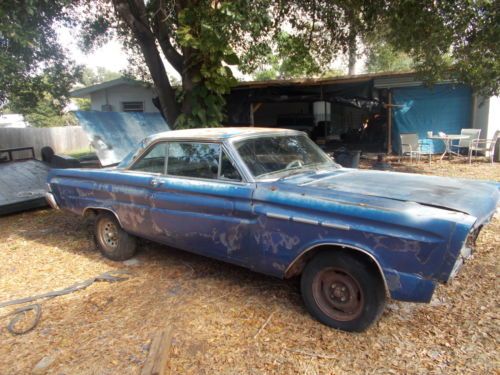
<point x="472" y="134"/>
<point x="412" y="146"/>
<point x="484" y="145"/>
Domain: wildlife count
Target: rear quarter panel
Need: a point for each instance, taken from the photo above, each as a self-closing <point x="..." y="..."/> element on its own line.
<point x="126" y="195"/>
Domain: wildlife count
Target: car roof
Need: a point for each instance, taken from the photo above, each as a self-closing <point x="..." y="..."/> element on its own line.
<point x="219" y="133"/>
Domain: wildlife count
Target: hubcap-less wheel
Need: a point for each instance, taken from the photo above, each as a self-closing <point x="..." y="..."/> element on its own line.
<point x="338" y="294"/>
<point x="113" y="242"/>
<point x="108" y="233"/>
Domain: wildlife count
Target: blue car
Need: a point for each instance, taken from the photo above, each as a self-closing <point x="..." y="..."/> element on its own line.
<point x="270" y="200"/>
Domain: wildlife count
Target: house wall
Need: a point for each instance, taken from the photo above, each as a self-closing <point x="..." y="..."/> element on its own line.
<point x="123" y="93"/>
<point x="487" y="116"/>
<point x="494" y="116"/>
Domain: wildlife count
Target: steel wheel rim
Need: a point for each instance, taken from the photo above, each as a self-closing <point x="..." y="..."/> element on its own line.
<point x="338" y="294"/>
<point x="108" y="233"/>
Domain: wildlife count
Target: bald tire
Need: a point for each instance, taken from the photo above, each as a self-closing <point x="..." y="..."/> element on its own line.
<point x="365" y="277"/>
<point x="113" y="242"/>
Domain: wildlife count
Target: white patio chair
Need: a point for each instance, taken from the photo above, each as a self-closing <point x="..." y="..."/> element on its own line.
<point x="484" y="145"/>
<point x="412" y="146"/>
<point x="472" y="134"/>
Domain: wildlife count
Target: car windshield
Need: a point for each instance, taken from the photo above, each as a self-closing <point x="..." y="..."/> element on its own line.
<point x="281" y="155"/>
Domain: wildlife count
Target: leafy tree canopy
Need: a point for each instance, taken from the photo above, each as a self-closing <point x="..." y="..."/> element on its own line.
<point x="453" y="39"/>
<point x="202" y="39"/>
<point x="32" y="63"/>
<point x="45" y="114"/>
<point x="91" y="77"/>
<point x="291" y="59"/>
<point x="382" y="57"/>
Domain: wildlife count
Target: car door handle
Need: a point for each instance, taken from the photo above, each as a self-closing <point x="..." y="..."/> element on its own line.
<point x="155" y="182"/>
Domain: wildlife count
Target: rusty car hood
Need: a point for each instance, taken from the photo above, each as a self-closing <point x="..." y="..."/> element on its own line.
<point x="475" y="198"/>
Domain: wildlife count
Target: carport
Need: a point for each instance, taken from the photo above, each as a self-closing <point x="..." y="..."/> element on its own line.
<point x="332" y="111"/>
<point x="366" y="112"/>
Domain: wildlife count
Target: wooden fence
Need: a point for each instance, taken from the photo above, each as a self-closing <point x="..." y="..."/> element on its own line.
<point x="61" y="139"/>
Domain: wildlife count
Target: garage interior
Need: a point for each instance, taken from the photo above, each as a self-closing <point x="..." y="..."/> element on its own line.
<point x="364" y="112"/>
<point x="338" y="112"/>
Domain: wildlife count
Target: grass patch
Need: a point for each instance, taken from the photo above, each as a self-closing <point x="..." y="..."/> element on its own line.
<point x="82" y="153"/>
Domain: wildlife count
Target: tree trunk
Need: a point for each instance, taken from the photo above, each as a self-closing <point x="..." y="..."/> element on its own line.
<point x="352" y="52"/>
<point x="136" y="19"/>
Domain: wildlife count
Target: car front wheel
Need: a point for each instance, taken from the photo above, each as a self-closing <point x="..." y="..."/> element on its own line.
<point x="113" y="242"/>
<point x="342" y="291"/>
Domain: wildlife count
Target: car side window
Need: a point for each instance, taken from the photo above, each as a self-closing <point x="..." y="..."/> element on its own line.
<point x="227" y="170"/>
<point x="154" y="160"/>
<point x="190" y="159"/>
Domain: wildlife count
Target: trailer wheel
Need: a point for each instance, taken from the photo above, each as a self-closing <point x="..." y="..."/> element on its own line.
<point x="113" y="242"/>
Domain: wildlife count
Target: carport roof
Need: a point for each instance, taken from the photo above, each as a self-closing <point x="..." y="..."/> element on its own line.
<point x="407" y="77"/>
<point x="359" y="78"/>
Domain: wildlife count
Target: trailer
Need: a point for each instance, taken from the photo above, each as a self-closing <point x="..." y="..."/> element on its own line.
<point x="22" y="180"/>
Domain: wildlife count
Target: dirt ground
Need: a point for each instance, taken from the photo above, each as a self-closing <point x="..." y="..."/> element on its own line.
<point x="219" y="312"/>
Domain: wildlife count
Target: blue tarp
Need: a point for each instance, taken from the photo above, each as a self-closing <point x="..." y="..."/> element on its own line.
<point x="114" y="134"/>
<point x="442" y="108"/>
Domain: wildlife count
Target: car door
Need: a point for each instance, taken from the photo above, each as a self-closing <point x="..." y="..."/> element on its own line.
<point x="202" y="204"/>
<point x="133" y="188"/>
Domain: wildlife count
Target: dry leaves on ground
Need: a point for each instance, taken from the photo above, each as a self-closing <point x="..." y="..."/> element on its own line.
<point x="228" y="320"/>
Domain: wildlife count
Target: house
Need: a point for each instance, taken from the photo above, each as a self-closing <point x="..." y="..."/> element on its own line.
<point x="366" y="111"/>
<point x="119" y="95"/>
<point x="12" y="120"/>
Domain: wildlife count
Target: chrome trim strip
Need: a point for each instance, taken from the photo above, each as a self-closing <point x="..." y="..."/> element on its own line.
<point x="343" y="246"/>
<point x="305" y="221"/>
<point x="51" y="200"/>
<point x="277" y="216"/>
<point x="335" y="226"/>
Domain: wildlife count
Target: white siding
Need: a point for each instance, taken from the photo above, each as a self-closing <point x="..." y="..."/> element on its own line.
<point x="494" y="116"/>
<point x="115" y="96"/>
<point x="487" y="116"/>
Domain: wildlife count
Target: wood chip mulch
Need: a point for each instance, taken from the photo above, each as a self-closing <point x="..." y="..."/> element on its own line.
<point x="227" y="320"/>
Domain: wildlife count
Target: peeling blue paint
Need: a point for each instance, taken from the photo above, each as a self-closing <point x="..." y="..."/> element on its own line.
<point x="414" y="227"/>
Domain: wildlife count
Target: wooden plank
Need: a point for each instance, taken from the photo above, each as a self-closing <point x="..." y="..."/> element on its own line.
<point x="252" y="123"/>
<point x="159" y="353"/>
<point x="389" y="123"/>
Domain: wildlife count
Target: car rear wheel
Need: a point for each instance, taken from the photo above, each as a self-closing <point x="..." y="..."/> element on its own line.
<point x="113" y="242"/>
<point x="342" y="291"/>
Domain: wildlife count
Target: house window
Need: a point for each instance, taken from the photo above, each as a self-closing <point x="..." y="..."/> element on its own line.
<point x="133" y="106"/>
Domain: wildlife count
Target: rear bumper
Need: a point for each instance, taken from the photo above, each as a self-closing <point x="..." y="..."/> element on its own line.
<point x="52" y="201"/>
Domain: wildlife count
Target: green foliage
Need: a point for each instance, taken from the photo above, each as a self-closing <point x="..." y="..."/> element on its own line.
<point x="91" y="77"/>
<point x="450" y="39"/>
<point x="208" y="32"/>
<point x="382" y="57"/>
<point x="47" y="113"/>
<point x="203" y="30"/>
<point x="83" y="104"/>
<point x="32" y="63"/>
<point x="330" y="73"/>
<point x="292" y="59"/>
<point x="201" y="39"/>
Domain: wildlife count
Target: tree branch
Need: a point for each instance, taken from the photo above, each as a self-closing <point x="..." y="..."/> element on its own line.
<point x="160" y="30"/>
<point x="133" y="13"/>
